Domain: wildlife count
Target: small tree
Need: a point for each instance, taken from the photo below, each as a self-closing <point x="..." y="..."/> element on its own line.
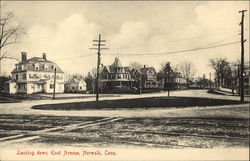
<point x="167" y="74"/>
<point x="90" y="80"/>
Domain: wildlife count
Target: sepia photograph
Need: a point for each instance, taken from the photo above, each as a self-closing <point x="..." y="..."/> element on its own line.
<point x="124" y="80"/>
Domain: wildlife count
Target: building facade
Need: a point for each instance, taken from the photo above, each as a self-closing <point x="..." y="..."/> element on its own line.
<point x="146" y="78"/>
<point x="75" y="84"/>
<point x="115" y="78"/>
<point x="36" y="75"/>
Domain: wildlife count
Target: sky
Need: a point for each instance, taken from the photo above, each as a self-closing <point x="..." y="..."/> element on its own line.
<point x="66" y="30"/>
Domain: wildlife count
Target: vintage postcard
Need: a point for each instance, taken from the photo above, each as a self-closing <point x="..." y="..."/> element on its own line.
<point x="124" y="80"/>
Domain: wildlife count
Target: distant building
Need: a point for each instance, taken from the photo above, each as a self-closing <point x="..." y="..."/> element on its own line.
<point x="178" y="81"/>
<point x="36" y="75"/>
<point x="115" y="78"/>
<point x="75" y="84"/>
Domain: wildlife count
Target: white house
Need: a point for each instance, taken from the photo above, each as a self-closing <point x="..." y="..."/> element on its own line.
<point x="75" y="84"/>
<point x="36" y="75"/>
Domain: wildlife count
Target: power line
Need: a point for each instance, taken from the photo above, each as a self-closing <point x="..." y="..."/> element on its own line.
<point x="175" y="52"/>
<point x="156" y="53"/>
<point x="72" y="57"/>
<point x="183" y="39"/>
<point x="223" y="39"/>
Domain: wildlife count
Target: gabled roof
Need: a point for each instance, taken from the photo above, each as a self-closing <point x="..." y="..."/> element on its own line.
<point x="76" y="80"/>
<point x="146" y="69"/>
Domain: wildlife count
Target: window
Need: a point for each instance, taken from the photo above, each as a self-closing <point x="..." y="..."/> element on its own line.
<point x="16" y="76"/>
<point x="20" y="67"/>
<point x="52" y="67"/>
<point x="24" y="76"/>
<point x="51" y="86"/>
<point x="80" y="87"/>
<point x="36" y="66"/>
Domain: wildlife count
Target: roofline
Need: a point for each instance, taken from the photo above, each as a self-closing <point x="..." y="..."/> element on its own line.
<point x="35" y="71"/>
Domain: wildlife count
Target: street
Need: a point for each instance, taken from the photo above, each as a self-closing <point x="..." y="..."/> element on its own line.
<point x="225" y="125"/>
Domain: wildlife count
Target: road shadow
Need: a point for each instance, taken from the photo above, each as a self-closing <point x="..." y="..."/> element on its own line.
<point x="151" y="102"/>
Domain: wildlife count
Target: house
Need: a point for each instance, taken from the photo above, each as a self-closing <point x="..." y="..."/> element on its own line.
<point x="75" y="84"/>
<point x="36" y="75"/>
<point x="146" y="77"/>
<point x="115" y="78"/>
<point x="178" y="81"/>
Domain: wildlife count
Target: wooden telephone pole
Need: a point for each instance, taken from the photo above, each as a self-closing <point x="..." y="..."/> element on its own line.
<point x="99" y="44"/>
<point x="54" y="86"/>
<point x="242" y="57"/>
<point x="210" y="81"/>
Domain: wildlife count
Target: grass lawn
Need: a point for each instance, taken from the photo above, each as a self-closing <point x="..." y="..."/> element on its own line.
<point x="150" y="102"/>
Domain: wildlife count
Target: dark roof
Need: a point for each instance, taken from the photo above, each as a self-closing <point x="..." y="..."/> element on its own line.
<point x="112" y="68"/>
<point x="38" y="59"/>
<point x="117" y="63"/>
<point x="30" y="67"/>
<point x="146" y="69"/>
<point x="77" y="80"/>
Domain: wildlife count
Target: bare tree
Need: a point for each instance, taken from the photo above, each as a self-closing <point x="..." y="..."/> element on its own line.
<point x="187" y="70"/>
<point x="10" y="31"/>
<point x="135" y="65"/>
<point x="221" y="67"/>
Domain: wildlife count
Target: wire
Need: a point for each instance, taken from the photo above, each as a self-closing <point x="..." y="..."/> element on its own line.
<point x="223" y="39"/>
<point x="72" y="57"/>
<point x="156" y="53"/>
<point x="183" y="39"/>
<point x="175" y="52"/>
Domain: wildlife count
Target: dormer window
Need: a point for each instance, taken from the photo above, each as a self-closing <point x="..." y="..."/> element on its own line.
<point x="20" y="67"/>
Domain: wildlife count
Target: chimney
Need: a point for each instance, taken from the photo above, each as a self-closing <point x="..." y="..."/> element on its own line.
<point x="24" y="56"/>
<point x="44" y="56"/>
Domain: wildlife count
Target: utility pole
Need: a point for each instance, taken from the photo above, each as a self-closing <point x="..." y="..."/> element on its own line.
<point x="99" y="44"/>
<point x="210" y="82"/>
<point x="238" y="78"/>
<point x="140" y="85"/>
<point x="54" y="89"/>
<point x="242" y="57"/>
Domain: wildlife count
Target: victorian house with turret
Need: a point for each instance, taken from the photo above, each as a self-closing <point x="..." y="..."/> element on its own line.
<point x="36" y="75"/>
<point x="116" y="78"/>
